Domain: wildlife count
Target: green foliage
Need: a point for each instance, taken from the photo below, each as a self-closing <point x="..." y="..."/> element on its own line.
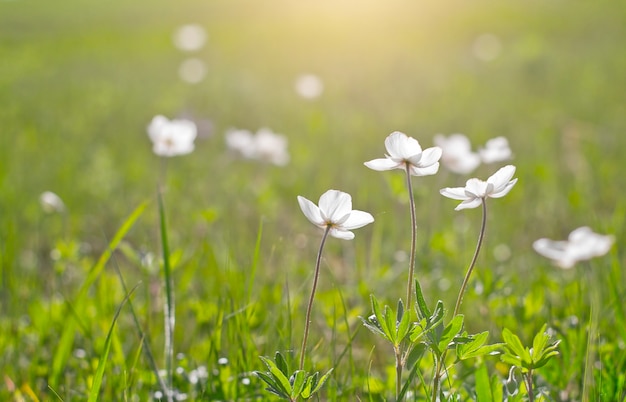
<point x="290" y="386"/>
<point x="527" y="359"/>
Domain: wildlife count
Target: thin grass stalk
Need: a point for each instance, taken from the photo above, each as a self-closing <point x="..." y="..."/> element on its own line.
<point x="169" y="301"/>
<point x="142" y="335"/>
<point x="308" y="310"/>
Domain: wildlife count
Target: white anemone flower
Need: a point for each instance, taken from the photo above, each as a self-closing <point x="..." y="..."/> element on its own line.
<point x="335" y="213"/>
<point x="190" y="37"/>
<point x="496" y="150"/>
<point x="265" y="145"/>
<point x="457" y="155"/>
<point x="51" y="203"/>
<point x="582" y="244"/>
<point x="309" y="86"/>
<point x="405" y="152"/>
<point x="172" y="137"/>
<point x="476" y="191"/>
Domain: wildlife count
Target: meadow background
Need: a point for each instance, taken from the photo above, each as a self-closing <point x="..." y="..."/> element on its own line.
<point x="81" y="80"/>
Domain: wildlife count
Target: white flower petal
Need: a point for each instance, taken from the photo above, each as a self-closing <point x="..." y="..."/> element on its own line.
<point x="311" y="211"/>
<point x="401" y="146"/>
<point x="335" y="205"/>
<point x="471" y="203"/>
<point x="477" y="188"/>
<point x="341" y="234"/>
<point x="426" y="171"/>
<point x="383" y="164"/>
<point x="504" y="191"/>
<point x="357" y="219"/>
<point x="502" y="177"/>
<point x="430" y="156"/>
<point x="456" y="193"/>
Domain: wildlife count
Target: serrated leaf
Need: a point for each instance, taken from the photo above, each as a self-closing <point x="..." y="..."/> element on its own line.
<point x="476" y="347"/>
<point x="422" y="308"/>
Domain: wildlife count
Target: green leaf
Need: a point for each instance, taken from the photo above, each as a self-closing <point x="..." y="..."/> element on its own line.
<point x="384" y="327"/>
<point x="390" y="323"/>
<point x="450" y="331"/>
<point x="279" y="378"/>
<point x="322" y="381"/>
<point x="281" y="363"/>
<point x="298" y="381"/>
<point x="516" y="351"/>
<point x="373" y="325"/>
<point x="307" y="392"/>
<point x="415" y="354"/>
<point x="403" y="328"/>
<point x="483" y="385"/>
<point x="274" y="387"/>
<point x="422" y="307"/>
<point x="476" y="347"/>
<point x="400" y="311"/>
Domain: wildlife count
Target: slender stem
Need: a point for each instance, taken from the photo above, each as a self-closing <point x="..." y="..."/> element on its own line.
<point x="438" y="376"/>
<point x="399" y="367"/>
<point x="409" y="286"/>
<point x="459" y="299"/>
<point x="529" y="385"/>
<point x="308" y="309"/>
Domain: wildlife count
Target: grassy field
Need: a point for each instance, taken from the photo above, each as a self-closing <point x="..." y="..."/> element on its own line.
<point x="80" y="81"/>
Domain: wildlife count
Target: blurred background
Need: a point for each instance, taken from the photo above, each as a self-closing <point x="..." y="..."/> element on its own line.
<point x="81" y="80"/>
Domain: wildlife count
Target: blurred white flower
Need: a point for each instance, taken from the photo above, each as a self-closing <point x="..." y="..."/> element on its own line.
<point x="582" y="244"/>
<point x="405" y="152"/>
<point x="172" y="137"/>
<point x="190" y="37"/>
<point x="335" y="212"/>
<point x="496" y="150"/>
<point x="476" y="191"/>
<point x="487" y="47"/>
<point x="309" y="86"/>
<point x="265" y="145"/>
<point x="457" y="155"/>
<point x="51" y="203"/>
<point x="192" y="70"/>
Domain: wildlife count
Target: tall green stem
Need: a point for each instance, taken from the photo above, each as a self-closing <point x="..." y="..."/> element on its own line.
<point x="459" y="299"/>
<point x="409" y="286"/>
<point x="308" y="310"/>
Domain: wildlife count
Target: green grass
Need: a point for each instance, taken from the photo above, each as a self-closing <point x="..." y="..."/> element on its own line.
<point x="80" y="81"/>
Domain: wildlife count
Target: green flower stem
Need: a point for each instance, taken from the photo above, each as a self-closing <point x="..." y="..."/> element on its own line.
<point x="399" y="367"/>
<point x="459" y="299"/>
<point x="409" y="287"/>
<point x="308" y="310"/>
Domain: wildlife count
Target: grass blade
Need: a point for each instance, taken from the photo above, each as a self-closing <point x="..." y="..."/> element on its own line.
<point x="66" y="341"/>
<point x="97" y="380"/>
